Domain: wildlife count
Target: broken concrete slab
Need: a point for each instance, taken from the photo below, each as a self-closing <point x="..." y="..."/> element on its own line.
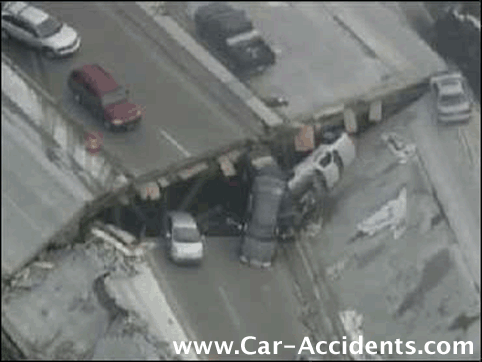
<point x="375" y="112"/>
<point x="140" y="294"/>
<point x="64" y="292"/>
<point x="392" y="215"/>
<point x="399" y="147"/>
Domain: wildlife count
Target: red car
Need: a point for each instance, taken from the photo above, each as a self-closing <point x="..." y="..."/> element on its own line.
<point x="96" y="89"/>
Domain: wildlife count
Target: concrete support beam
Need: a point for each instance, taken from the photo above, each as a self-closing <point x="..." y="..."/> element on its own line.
<point x="188" y="200"/>
<point x="349" y="117"/>
<point x="375" y="114"/>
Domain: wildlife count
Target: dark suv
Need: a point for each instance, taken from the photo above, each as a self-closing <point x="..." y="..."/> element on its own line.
<point x="259" y="241"/>
<point x="96" y="89"/>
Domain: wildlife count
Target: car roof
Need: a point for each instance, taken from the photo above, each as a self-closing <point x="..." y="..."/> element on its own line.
<point x="451" y="88"/>
<point x="213" y="8"/>
<point x="268" y="196"/>
<point x="99" y="78"/>
<point x="33" y="15"/>
<point x="181" y="218"/>
<point x="26" y="11"/>
<point x="449" y="77"/>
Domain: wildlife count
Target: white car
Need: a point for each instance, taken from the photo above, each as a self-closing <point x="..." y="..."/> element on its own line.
<point x="38" y="29"/>
<point x="343" y="148"/>
<point x="328" y="160"/>
<point x="185" y="242"/>
<point x="452" y="99"/>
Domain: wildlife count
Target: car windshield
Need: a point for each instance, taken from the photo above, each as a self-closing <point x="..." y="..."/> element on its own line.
<point x="48" y="28"/>
<point x="452" y="99"/>
<point x="115" y="96"/>
<point x="186" y="234"/>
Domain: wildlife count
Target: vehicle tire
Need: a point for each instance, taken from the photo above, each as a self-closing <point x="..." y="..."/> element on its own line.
<point x="48" y="53"/>
<point x="5" y="35"/>
<point x="107" y="125"/>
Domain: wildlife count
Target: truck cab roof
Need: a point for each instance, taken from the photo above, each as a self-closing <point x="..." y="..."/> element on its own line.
<point x="223" y="19"/>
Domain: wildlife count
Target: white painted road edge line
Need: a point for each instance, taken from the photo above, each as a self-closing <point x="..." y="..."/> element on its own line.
<point x="231" y="311"/>
<point x="146" y="298"/>
<point x="465" y="144"/>
<point x="21" y="212"/>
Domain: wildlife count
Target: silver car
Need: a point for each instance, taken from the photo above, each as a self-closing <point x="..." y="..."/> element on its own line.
<point x="452" y="98"/>
<point x="185" y="242"/>
<point x="38" y="29"/>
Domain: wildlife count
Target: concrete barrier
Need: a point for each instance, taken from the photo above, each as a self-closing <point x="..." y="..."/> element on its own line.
<point x="62" y="135"/>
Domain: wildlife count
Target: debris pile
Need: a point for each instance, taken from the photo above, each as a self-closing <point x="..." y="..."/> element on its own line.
<point x="392" y="215"/>
<point x="63" y="291"/>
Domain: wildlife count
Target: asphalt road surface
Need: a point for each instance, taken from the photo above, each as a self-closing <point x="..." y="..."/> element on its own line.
<point x="224" y="300"/>
<point x="186" y="112"/>
<point x="37" y="196"/>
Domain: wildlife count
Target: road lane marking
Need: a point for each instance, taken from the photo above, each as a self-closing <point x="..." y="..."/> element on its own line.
<point x="26" y="217"/>
<point x="276" y="4"/>
<point x="175" y="143"/>
<point x="231" y="311"/>
<point x="465" y="145"/>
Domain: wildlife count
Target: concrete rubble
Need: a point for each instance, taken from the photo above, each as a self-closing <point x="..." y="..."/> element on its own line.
<point x="399" y="147"/>
<point x="78" y="295"/>
<point x="392" y="215"/>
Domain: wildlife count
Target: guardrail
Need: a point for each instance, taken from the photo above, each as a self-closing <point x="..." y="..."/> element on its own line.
<point x="63" y="136"/>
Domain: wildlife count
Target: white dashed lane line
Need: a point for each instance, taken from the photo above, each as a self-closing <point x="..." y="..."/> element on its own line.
<point x="175" y="143"/>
